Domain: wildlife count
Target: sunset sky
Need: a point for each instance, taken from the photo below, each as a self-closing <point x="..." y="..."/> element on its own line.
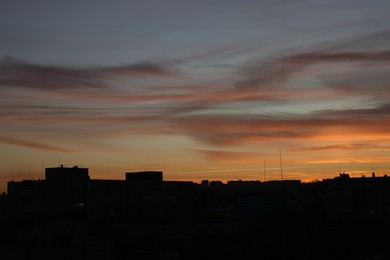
<point x="198" y="89"/>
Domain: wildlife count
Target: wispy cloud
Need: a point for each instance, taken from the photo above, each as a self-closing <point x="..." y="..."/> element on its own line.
<point x="277" y="70"/>
<point x="230" y="156"/>
<point x="343" y="147"/>
<point x="212" y="129"/>
<point x="220" y="130"/>
<point x="34" y="145"/>
<point x="85" y="98"/>
<point x="381" y="110"/>
<point x="364" y="66"/>
<point x="315" y="57"/>
<point x="16" y="73"/>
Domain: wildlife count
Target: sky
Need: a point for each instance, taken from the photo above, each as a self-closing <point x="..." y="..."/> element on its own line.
<point x="218" y="90"/>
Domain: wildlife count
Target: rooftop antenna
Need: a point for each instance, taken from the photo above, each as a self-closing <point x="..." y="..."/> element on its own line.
<point x="264" y="170"/>
<point x="281" y="166"/>
<point x="42" y="169"/>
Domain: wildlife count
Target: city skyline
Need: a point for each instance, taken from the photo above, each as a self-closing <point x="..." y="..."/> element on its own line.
<point x="200" y="90"/>
<point x="144" y="216"/>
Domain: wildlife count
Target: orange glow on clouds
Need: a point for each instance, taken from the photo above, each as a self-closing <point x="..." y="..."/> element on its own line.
<point x="205" y="116"/>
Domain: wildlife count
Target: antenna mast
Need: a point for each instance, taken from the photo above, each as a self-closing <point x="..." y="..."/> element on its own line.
<point x="281" y="166"/>
<point x="42" y="171"/>
<point x="264" y="170"/>
<point x="339" y="169"/>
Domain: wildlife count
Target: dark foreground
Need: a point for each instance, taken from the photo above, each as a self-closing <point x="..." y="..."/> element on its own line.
<point x="69" y="216"/>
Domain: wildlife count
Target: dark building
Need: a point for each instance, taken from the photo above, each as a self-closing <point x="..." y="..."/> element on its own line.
<point x="146" y="176"/>
<point x="66" y="188"/>
<point x="107" y="198"/>
<point x="70" y="189"/>
<point x="26" y="196"/>
<point x="145" y="217"/>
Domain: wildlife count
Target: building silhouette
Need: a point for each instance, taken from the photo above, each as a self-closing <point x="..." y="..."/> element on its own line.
<point x="68" y="215"/>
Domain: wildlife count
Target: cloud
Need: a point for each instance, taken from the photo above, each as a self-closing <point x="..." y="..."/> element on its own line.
<point x="234" y="129"/>
<point x="214" y="129"/>
<point x="283" y="66"/>
<point x="381" y="110"/>
<point x="138" y="70"/>
<point x="371" y="81"/>
<point x="230" y="130"/>
<point x="208" y="112"/>
<point x="276" y="70"/>
<point x="315" y="57"/>
<point x="356" y="146"/>
<point x="15" y="73"/>
<point x="230" y="156"/>
<point x="33" y="145"/>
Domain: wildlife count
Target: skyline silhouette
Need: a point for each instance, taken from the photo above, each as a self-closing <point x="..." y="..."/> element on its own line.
<point x="70" y="215"/>
<point x="262" y="175"/>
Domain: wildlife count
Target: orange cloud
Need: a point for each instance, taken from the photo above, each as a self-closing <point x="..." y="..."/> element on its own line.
<point x="231" y="156"/>
<point x="34" y="145"/>
<point x="355" y="146"/>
